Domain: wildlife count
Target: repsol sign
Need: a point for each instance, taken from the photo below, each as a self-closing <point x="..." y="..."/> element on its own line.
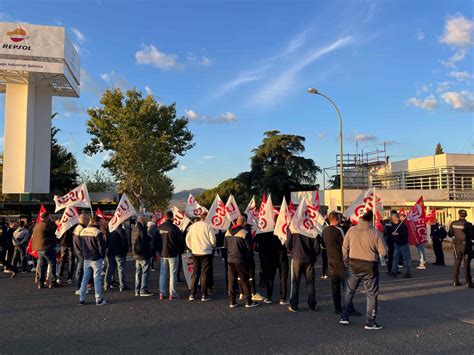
<point x="19" y="47"/>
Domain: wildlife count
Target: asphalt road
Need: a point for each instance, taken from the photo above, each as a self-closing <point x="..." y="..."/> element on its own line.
<point x="420" y="315"/>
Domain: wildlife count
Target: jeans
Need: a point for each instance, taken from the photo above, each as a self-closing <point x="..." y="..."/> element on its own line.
<point x="403" y="250"/>
<point x="142" y="273"/>
<point x="66" y="251"/>
<point x="45" y="258"/>
<point x="421" y="251"/>
<point x="201" y="269"/>
<point x="368" y="273"/>
<point x="92" y="267"/>
<point x="299" y="267"/>
<point x="168" y="265"/>
<point x="115" y="262"/>
<point x="19" y="255"/>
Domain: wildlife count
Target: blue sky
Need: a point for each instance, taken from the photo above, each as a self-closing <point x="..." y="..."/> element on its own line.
<point x="400" y="71"/>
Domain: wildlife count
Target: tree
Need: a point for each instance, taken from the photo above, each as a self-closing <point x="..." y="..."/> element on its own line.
<point x="98" y="181"/>
<point x="143" y="139"/>
<point x="276" y="168"/>
<point x="439" y="149"/>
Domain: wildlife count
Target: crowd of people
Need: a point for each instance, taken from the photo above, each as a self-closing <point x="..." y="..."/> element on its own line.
<point x="95" y="259"/>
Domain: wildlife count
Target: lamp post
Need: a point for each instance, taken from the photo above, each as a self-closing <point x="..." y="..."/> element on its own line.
<point x="341" y="180"/>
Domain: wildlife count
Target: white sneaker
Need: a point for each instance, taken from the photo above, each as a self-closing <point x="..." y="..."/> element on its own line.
<point x="344" y="322"/>
<point x="77" y="293"/>
<point x="284" y="303"/>
<point x="267" y="301"/>
<point x="421" y="267"/>
<point x="241" y="297"/>
<point x="257" y="297"/>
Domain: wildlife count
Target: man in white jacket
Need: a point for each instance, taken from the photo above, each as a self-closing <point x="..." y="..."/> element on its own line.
<point x="201" y="240"/>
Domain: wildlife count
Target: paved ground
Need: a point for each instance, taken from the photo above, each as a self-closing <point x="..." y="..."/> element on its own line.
<point x="421" y="315"/>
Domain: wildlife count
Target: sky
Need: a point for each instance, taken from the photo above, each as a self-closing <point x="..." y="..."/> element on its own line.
<point x="401" y="72"/>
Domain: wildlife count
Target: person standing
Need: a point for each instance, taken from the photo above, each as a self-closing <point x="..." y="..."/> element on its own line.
<point x="303" y="252"/>
<point x="92" y="248"/>
<point x="462" y="233"/>
<point x="170" y="244"/>
<point x="438" y="233"/>
<point x="400" y="238"/>
<point x="67" y="254"/>
<point x="153" y="233"/>
<point x="201" y="240"/>
<point x="141" y="247"/>
<point x="238" y="243"/>
<point x="20" y="241"/>
<point x="389" y="239"/>
<point x="44" y="242"/>
<point x="116" y="254"/>
<point x="76" y="235"/>
<point x="361" y="251"/>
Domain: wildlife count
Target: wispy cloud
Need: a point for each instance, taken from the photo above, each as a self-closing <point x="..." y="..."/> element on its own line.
<point x="183" y="167"/>
<point x="321" y="135"/>
<point x="209" y="157"/>
<point x="150" y="55"/>
<point x="148" y="90"/>
<point x="79" y="35"/>
<point x="429" y="103"/>
<point x="460" y="101"/>
<point x="420" y="35"/>
<point x="461" y="75"/>
<point x="202" y="61"/>
<point x="113" y="79"/>
<point x="363" y="137"/>
<point x="226" y="117"/>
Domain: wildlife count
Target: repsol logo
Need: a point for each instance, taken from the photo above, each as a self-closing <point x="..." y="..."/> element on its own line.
<point x="17" y="47"/>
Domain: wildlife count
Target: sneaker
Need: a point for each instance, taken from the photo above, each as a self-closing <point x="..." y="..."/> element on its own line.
<point x="456" y="284"/>
<point x="69" y="281"/>
<point x="77" y="293"/>
<point x="191" y="298"/>
<point x="7" y="271"/>
<point x="146" y="294"/>
<point x="344" y="321"/>
<point x="257" y="297"/>
<point x="291" y="309"/>
<point x="82" y="303"/>
<point x="241" y="296"/>
<point x="374" y="326"/>
<point x="101" y="302"/>
<point x="162" y="296"/>
<point x="267" y="301"/>
<point x="54" y="285"/>
<point x="125" y="288"/>
<point x="41" y="285"/>
<point x="206" y="299"/>
<point x="284" y="303"/>
<point x="324" y="277"/>
<point x="173" y="297"/>
<point x="252" y="305"/>
<point x="137" y="294"/>
<point x="233" y="305"/>
<point x="421" y="267"/>
<point x="13" y="275"/>
<point x="407" y="276"/>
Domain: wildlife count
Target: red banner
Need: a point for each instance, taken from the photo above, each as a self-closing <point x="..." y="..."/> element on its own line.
<point x="416" y="224"/>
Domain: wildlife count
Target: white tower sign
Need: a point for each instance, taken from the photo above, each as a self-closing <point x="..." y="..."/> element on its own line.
<point x="36" y="63"/>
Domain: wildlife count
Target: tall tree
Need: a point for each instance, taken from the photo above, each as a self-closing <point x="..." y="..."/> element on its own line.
<point x="98" y="181"/>
<point x="439" y="149"/>
<point x="143" y="139"/>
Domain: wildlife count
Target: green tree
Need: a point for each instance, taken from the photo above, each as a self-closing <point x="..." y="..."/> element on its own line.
<point x="439" y="149"/>
<point x="276" y="168"/>
<point x="143" y="139"/>
<point x="98" y="181"/>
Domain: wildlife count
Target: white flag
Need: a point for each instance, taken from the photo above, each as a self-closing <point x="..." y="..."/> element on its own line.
<point x="283" y="222"/>
<point x="363" y="203"/>
<point x="252" y="213"/>
<point x="232" y="209"/>
<point x="69" y="219"/>
<point x="123" y="212"/>
<point x="217" y="216"/>
<point x="306" y="220"/>
<point x="180" y="219"/>
<point x="194" y="209"/>
<point x="266" y="223"/>
<point x="78" y="197"/>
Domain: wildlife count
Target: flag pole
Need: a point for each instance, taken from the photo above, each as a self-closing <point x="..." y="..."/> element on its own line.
<point x="374" y="210"/>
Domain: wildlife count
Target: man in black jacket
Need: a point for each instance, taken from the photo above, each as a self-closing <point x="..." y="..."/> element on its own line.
<point x="462" y="233"/>
<point x="141" y="247"/>
<point x="116" y="254"/>
<point x="438" y="234"/>
<point x="303" y="252"/>
<point x="170" y="244"/>
<point x="400" y="237"/>
<point x="92" y="247"/>
<point x="67" y="255"/>
<point x="238" y="243"/>
<point x="76" y="236"/>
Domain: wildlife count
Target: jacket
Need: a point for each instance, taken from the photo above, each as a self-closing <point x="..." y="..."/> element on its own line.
<point x="117" y="243"/>
<point x="170" y="241"/>
<point x="141" y="243"/>
<point x="402" y="237"/>
<point x="302" y="247"/>
<point x="333" y="239"/>
<point x="200" y="238"/>
<point x="91" y="243"/>
<point x="269" y="245"/>
<point x="20" y="237"/>
<point x="76" y="235"/>
<point x="66" y="239"/>
<point x="238" y="242"/>
<point x="462" y="233"/>
<point x="363" y="242"/>
<point x="44" y="236"/>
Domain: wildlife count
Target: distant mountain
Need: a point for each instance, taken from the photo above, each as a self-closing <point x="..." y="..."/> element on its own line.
<point x="179" y="198"/>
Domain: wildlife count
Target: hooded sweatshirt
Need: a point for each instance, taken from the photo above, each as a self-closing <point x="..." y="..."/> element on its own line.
<point x="238" y="243"/>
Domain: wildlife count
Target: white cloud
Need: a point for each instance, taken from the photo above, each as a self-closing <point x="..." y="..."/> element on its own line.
<point x="420" y="35"/>
<point x="460" y="101"/>
<point x="153" y="56"/>
<point x="114" y="80"/>
<point x="105" y="77"/>
<point x="321" y="135"/>
<point x="201" y="61"/>
<point x="455" y="58"/>
<point x="183" y="167"/>
<point x="458" y="31"/>
<point x="148" y="90"/>
<point x="209" y="157"/>
<point x="429" y="103"/>
<point x="422" y="89"/>
<point x="363" y="137"/>
<point x="226" y="117"/>
<point x="461" y="75"/>
<point x="79" y="35"/>
<point x="443" y="86"/>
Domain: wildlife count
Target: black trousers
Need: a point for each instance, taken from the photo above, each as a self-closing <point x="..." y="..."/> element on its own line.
<point x="337" y="283"/>
<point x="66" y="253"/>
<point x="19" y="255"/>
<point x="299" y="267"/>
<point x="201" y="269"/>
<point x="460" y="256"/>
<point x="438" y="250"/>
<point x="251" y="270"/>
<point x="238" y="271"/>
<point x="391" y="250"/>
<point x="324" y="256"/>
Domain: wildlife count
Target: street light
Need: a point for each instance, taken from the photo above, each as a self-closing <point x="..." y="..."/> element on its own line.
<point x="341" y="181"/>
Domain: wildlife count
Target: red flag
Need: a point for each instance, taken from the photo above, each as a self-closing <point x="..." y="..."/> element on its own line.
<point x="276" y="212"/>
<point x="42" y="210"/>
<point x="431" y="217"/>
<point x="291" y="209"/>
<point x="402" y="211"/>
<point x="415" y="221"/>
<point x="99" y="213"/>
<point x="30" y="250"/>
<point x="378" y="221"/>
<point x="316" y="201"/>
